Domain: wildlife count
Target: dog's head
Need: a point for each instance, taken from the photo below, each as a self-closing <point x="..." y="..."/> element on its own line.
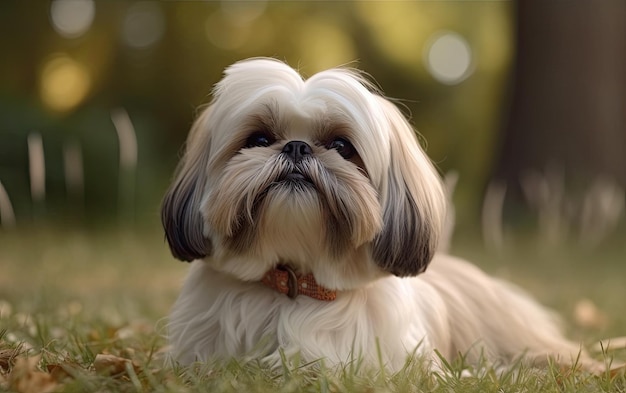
<point x="324" y="174"/>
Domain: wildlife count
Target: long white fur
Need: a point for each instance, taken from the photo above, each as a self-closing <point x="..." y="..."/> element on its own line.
<point x="453" y="308"/>
<point x="223" y="309"/>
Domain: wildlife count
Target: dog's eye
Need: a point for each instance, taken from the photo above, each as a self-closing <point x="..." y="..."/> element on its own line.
<point x="342" y="146"/>
<point x="259" y="139"/>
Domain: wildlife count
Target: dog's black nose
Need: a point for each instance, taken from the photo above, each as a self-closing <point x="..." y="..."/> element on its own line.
<point x="297" y="150"/>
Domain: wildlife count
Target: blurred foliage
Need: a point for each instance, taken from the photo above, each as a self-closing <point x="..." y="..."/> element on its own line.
<point x="65" y="86"/>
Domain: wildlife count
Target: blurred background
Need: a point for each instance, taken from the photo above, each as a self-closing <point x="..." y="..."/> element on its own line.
<point x="525" y="103"/>
<point x="521" y="105"/>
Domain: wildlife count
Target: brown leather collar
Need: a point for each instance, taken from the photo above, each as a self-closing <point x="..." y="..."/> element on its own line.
<point x="284" y="280"/>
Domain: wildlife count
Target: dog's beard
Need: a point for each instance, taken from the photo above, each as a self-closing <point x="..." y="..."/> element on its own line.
<point x="264" y="204"/>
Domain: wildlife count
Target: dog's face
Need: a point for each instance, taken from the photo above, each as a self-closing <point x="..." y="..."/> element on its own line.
<point x="324" y="174"/>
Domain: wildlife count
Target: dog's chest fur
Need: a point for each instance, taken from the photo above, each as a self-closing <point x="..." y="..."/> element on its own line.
<point x="220" y="317"/>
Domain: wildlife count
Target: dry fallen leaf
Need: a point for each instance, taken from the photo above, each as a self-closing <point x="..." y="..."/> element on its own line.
<point x="7" y="358"/>
<point x="26" y="378"/>
<point x="61" y="372"/>
<point x="106" y="364"/>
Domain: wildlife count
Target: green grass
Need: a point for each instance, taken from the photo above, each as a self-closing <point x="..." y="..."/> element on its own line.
<point x="68" y="297"/>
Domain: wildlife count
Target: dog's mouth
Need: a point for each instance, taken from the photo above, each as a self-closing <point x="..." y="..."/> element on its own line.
<point x="295" y="181"/>
<point x="295" y="178"/>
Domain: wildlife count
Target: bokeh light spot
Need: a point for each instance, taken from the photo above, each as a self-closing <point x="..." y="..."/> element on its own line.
<point x="448" y="58"/>
<point x="64" y="83"/>
<point x="144" y="25"/>
<point x="72" y="18"/>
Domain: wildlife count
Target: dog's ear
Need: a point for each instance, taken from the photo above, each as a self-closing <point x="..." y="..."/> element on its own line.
<point x="413" y="202"/>
<point x="180" y="210"/>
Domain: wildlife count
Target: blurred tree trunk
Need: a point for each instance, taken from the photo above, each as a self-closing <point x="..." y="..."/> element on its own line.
<point x="569" y="92"/>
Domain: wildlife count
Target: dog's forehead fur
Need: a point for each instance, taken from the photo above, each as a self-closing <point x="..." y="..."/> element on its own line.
<point x="335" y="102"/>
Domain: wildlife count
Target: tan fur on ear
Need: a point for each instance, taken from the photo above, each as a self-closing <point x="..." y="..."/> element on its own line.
<point x="414" y="203"/>
<point x="180" y="210"/>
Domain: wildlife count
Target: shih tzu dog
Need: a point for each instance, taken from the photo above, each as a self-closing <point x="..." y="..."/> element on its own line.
<point x="312" y="217"/>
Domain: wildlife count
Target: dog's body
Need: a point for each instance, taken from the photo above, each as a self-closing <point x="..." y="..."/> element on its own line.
<point x="326" y="176"/>
<point x="453" y="307"/>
